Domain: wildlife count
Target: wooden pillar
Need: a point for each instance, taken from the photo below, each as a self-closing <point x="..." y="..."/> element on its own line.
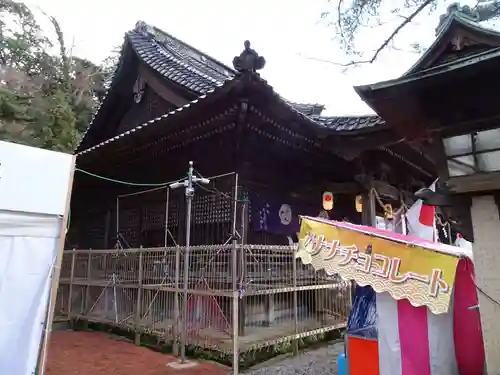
<point x="369" y="214"/>
<point x="239" y="150"/>
<point x="369" y="218"/>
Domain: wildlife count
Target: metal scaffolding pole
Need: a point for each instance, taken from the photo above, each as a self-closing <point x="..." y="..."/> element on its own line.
<point x="189" y="193"/>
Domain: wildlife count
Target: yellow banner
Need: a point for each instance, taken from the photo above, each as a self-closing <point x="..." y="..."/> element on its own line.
<point x="424" y="277"/>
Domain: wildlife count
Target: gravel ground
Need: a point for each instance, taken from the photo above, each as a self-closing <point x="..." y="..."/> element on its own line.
<point x="321" y="361"/>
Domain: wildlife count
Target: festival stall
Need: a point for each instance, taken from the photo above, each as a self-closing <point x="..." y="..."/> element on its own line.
<point x="415" y="309"/>
<point x="35" y="189"/>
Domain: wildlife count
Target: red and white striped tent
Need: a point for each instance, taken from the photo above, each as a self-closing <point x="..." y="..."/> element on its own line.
<point x="413" y="338"/>
<point x="417" y="342"/>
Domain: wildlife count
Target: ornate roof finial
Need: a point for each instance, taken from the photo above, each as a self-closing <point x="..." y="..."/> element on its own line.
<point x="143" y="28"/>
<point x="248" y="60"/>
<point x="464" y="12"/>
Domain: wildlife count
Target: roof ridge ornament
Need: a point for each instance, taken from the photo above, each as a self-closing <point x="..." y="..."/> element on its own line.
<point x="248" y="60"/>
<point x="144" y="29"/>
<point x="463" y="11"/>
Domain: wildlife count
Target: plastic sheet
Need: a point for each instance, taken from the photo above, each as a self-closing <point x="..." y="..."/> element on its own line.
<point x="363" y="318"/>
<point x="28" y="247"/>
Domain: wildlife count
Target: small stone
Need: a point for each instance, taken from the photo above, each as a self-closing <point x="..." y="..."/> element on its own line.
<point x="181" y="366"/>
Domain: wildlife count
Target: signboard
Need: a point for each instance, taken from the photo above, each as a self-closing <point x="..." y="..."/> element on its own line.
<point x="405" y="270"/>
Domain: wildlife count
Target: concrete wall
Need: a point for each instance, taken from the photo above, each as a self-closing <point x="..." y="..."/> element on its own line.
<point x="486" y="223"/>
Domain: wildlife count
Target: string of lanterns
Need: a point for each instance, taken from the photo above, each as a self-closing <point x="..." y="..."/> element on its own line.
<point x="328" y="201"/>
<point x="389" y="213"/>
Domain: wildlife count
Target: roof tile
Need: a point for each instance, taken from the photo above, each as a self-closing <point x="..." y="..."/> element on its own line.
<point x="349" y="123"/>
<point x="200" y="73"/>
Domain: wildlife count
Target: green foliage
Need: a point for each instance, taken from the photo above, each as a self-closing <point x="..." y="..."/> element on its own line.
<point x="56" y="123"/>
<point x="45" y="100"/>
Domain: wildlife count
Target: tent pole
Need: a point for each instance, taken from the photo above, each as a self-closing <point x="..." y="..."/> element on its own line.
<point x="56" y="272"/>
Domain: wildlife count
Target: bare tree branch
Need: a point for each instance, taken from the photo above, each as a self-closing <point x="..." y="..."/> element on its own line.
<point x="385" y="44"/>
<point x="394" y="33"/>
<point x="339" y="23"/>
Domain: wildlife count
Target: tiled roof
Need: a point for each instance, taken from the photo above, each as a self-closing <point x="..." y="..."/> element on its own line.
<point x="201" y="74"/>
<point x="349" y="123"/>
<point x="177" y="61"/>
<point x="308" y="109"/>
<point x="158" y="119"/>
<point x="187" y="66"/>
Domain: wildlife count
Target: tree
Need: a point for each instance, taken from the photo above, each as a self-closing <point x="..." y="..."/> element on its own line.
<point x="45" y="100"/>
<point x="351" y="18"/>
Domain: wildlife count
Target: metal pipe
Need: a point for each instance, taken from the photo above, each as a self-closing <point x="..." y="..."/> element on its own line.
<point x="234" y="231"/>
<point x="167" y="203"/>
<point x="176" y="302"/>
<point x="189" y="197"/>
<point x="235" y="299"/>
<point x="117" y="221"/>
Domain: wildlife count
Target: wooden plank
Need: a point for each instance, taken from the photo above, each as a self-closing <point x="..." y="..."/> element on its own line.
<point x="56" y="272"/>
<point x="474" y="183"/>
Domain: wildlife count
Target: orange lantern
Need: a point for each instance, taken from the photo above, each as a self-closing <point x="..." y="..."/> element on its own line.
<point x="359" y="203"/>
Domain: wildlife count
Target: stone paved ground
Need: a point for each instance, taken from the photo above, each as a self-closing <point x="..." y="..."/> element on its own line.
<point x="322" y="361"/>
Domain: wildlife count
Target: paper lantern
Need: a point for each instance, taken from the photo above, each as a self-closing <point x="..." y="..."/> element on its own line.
<point x="388" y="211"/>
<point x="359" y="203"/>
<point x="327" y="201"/>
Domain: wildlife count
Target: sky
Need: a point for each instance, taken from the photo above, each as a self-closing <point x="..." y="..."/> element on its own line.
<point x="288" y="34"/>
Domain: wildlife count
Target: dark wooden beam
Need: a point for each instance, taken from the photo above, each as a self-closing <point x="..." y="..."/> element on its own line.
<point x="350" y="188"/>
<point x="474" y="183"/>
<point x="160" y="87"/>
<point x="188" y="126"/>
<point x="350" y="147"/>
<point x="433" y="148"/>
<point x="383" y="189"/>
<point x="413" y="158"/>
<point x="337" y="188"/>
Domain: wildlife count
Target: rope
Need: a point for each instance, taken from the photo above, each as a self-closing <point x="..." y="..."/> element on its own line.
<point x="404" y="207"/>
<point x="384" y="207"/>
<point x="445" y="225"/>
<point x="161" y="184"/>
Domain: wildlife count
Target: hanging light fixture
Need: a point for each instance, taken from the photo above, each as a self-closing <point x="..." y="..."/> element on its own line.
<point x="388" y="211"/>
<point x="359" y="203"/>
<point x="327" y="201"/>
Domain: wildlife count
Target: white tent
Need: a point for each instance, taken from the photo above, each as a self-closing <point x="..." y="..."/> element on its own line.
<point x="35" y="188"/>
